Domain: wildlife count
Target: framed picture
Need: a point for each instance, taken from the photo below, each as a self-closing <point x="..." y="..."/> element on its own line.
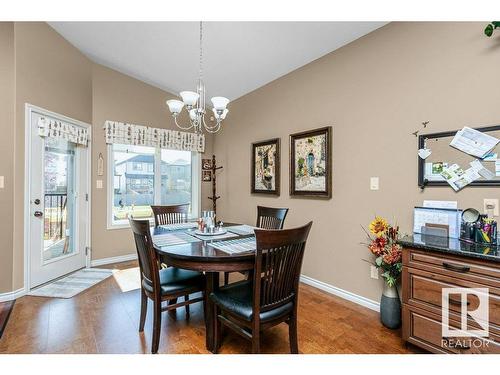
<point x="266" y="167"/>
<point x="311" y="163"/>
<point x="206" y="164"/>
<point x="206" y="176"/>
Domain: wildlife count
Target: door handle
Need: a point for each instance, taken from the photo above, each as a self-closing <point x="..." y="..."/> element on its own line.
<point x="38" y="214"/>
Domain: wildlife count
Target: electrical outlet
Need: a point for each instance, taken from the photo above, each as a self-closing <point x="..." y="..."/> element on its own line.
<point x="374" y="183"/>
<point x="374" y="272"/>
<point x="491" y="205"/>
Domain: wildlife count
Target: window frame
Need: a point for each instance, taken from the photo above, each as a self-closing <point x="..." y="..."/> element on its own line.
<point x="195" y="187"/>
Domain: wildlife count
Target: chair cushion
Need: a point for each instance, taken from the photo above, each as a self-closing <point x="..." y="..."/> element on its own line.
<point x="174" y="280"/>
<point x="237" y="299"/>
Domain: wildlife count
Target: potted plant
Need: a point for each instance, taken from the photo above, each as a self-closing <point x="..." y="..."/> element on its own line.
<point x="383" y="244"/>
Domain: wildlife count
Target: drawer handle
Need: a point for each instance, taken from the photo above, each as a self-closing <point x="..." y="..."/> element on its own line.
<point x="457" y="303"/>
<point x="456" y="268"/>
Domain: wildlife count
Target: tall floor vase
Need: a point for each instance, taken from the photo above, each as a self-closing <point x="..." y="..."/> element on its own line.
<point x="390" y="307"/>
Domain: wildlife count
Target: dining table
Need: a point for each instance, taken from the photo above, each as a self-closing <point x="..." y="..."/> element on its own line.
<point x="202" y="256"/>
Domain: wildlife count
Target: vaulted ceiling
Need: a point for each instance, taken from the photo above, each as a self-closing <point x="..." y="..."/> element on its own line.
<point x="238" y="57"/>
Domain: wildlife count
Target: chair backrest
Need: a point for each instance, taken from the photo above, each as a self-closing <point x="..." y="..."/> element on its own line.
<point x="270" y="217"/>
<point x="148" y="260"/>
<point x="278" y="262"/>
<point x="174" y="214"/>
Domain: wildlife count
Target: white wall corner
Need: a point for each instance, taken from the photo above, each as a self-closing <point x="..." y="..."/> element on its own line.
<point x="360" y="300"/>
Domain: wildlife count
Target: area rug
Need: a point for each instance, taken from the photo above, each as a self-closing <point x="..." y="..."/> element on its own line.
<point x="5" y="310"/>
<point x="73" y="284"/>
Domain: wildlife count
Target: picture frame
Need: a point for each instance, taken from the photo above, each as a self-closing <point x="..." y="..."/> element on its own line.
<point x="265" y="167"/>
<point x="206" y="164"/>
<point x="311" y="163"/>
<point x="206" y="176"/>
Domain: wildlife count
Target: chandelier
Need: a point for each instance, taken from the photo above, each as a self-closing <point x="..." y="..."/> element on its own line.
<point x="195" y="104"/>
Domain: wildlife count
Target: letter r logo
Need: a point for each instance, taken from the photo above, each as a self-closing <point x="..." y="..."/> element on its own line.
<point x="480" y="315"/>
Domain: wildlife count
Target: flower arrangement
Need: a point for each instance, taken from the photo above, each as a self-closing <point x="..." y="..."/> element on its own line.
<point x="386" y="249"/>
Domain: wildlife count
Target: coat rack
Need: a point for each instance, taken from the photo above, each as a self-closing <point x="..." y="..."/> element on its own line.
<point x="214" y="196"/>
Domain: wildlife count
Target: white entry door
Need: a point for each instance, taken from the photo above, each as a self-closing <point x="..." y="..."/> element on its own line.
<point x="58" y="202"/>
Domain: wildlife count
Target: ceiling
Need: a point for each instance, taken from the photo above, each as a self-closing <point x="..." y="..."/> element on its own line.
<point x="238" y="57"/>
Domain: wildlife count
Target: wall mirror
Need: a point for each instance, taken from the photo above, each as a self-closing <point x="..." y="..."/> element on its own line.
<point x="443" y="155"/>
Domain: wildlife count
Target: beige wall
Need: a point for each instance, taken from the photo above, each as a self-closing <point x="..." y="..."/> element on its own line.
<point x="374" y="92"/>
<point x="7" y="118"/>
<point x="118" y="97"/>
<point x="39" y="67"/>
<point x="52" y="74"/>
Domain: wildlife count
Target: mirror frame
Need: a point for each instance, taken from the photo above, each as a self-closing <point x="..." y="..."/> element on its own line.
<point x="423" y="183"/>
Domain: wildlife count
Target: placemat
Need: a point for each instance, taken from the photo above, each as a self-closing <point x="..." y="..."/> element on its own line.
<point x="211" y="238"/>
<point x="169" y="239"/>
<point x="179" y="226"/>
<point x="242" y="230"/>
<point x="240" y="245"/>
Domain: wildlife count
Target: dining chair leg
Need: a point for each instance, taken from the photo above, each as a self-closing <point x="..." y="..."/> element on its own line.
<point x="172" y="301"/>
<point x="144" y="309"/>
<point x="256" y="338"/>
<point x="186" y="299"/>
<point x="292" y="334"/>
<point x="205" y="304"/>
<point x="217" y="330"/>
<point x="255" y="343"/>
<point x="156" y="327"/>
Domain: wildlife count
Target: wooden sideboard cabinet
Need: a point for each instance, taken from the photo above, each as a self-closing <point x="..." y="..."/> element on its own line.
<point x="425" y="274"/>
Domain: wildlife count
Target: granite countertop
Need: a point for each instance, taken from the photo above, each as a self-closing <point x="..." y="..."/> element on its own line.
<point x="452" y="246"/>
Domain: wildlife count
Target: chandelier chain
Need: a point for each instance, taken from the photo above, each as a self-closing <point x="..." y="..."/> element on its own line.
<point x="201" y="49"/>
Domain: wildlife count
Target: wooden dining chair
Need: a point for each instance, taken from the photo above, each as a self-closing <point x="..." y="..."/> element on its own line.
<point x="161" y="285"/>
<point x="271" y="217"/>
<point x="250" y="306"/>
<point x="173" y="214"/>
<point x="267" y="218"/>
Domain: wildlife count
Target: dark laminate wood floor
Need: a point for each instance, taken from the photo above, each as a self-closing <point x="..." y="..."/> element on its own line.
<point x="104" y="319"/>
<point x="5" y="310"/>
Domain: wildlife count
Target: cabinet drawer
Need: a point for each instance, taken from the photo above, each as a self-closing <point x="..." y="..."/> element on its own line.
<point x="424" y="289"/>
<point x="424" y="329"/>
<point x="487" y="273"/>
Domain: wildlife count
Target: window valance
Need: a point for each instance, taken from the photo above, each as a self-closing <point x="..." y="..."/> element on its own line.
<point x="59" y="129"/>
<point x="130" y="134"/>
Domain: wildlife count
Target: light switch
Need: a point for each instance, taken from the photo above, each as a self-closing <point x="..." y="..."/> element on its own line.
<point x="2" y="184"/>
<point x="98" y="184"/>
<point x="373" y="183"/>
<point x="491" y="205"/>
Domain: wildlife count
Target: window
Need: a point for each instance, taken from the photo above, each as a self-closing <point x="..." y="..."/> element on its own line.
<point x="142" y="176"/>
<point x="175" y="177"/>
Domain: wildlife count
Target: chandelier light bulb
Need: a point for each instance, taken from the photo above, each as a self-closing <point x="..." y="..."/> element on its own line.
<point x="220" y="103"/>
<point x="189" y="98"/>
<point x="175" y="106"/>
<point x="220" y="114"/>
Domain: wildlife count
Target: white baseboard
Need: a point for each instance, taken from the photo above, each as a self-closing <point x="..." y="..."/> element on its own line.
<point x="118" y="259"/>
<point x="9" y="296"/>
<point x="360" y="300"/>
